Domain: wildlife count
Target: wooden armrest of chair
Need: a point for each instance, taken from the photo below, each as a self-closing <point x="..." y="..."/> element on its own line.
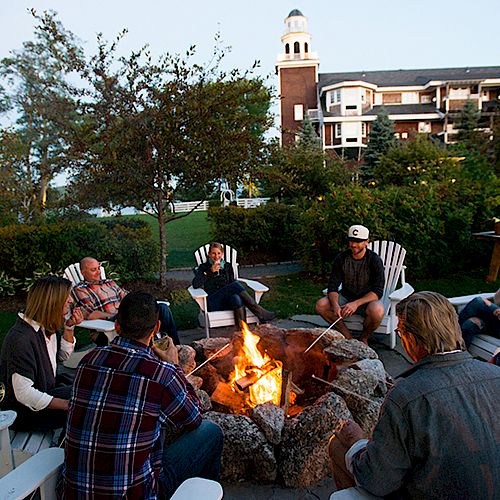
<point x="39" y="471"/>
<point x="401" y="293"/>
<point x="256" y="286"/>
<point x="101" y="325"/>
<point x="197" y="293"/>
<point x="465" y="299"/>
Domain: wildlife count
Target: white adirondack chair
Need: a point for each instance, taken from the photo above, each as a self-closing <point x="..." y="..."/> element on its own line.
<point x="482" y="346"/>
<point x="34" y="467"/>
<point x="222" y="318"/>
<point x="74" y="274"/>
<point x="393" y="256"/>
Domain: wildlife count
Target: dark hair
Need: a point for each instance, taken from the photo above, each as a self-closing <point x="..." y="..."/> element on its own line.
<point x="137" y="315"/>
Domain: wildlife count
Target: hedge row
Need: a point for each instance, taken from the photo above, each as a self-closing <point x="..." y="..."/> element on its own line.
<point x="434" y="223"/>
<point x="128" y="247"/>
<point x="262" y="234"/>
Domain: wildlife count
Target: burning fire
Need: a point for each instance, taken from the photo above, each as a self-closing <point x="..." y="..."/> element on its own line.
<point x="257" y="371"/>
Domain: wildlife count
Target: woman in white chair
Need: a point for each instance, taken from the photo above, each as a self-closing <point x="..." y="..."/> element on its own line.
<point x="216" y="277"/>
<point x="28" y="361"/>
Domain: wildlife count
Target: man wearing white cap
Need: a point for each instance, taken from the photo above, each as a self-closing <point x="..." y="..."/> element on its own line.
<point x="360" y="271"/>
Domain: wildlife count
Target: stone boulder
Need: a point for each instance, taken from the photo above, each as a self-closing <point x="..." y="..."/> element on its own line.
<point x="186" y="358"/>
<point x="303" y="456"/>
<point x="246" y="455"/>
<point x="270" y="419"/>
<point x="349" y="350"/>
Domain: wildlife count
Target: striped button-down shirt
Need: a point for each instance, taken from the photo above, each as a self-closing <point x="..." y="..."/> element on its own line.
<point x="123" y="397"/>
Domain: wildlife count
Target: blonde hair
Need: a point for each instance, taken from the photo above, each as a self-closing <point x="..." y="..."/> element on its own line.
<point x="432" y="320"/>
<point x="46" y="299"/>
<point x="214" y="244"/>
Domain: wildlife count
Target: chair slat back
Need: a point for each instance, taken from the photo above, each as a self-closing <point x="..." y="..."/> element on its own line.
<point x="393" y="256"/>
<point x="74" y="274"/>
<point x="230" y="256"/>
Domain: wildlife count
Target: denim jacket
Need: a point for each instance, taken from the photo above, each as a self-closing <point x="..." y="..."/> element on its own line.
<point x="438" y="435"/>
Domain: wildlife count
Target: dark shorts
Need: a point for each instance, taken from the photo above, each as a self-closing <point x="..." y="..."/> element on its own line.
<point x="361" y="310"/>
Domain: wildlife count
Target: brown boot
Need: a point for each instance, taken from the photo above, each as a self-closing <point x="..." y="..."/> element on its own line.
<point x="240" y="315"/>
<point x="263" y="314"/>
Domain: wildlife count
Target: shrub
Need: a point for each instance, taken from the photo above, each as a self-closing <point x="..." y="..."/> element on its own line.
<point x="26" y="249"/>
<point x="8" y="284"/>
<point x="433" y="222"/>
<point x="263" y="234"/>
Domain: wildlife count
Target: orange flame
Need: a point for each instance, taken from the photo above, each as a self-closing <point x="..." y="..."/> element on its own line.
<point x="268" y="386"/>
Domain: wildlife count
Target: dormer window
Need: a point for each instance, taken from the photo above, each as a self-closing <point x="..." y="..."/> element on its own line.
<point x="335" y="96"/>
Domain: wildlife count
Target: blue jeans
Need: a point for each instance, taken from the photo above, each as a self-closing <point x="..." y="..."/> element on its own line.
<point x="167" y="323"/>
<point x="194" y="454"/>
<point x="488" y="323"/>
<point x="227" y="297"/>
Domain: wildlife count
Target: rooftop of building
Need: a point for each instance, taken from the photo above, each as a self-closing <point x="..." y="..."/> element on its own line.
<point x="411" y="77"/>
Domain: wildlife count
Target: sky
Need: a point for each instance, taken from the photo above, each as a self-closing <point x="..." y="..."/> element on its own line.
<point x="347" y="35"/>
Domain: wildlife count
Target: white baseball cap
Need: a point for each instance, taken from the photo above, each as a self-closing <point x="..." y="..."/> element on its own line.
<point x="358" y="233"/>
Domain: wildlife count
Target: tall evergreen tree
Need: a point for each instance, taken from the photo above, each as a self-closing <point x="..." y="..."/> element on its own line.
<point x="468" y="129"/>
<point x="380" y="140"/>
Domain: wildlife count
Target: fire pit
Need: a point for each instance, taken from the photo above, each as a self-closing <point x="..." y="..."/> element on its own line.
<point x="278" y="405"/>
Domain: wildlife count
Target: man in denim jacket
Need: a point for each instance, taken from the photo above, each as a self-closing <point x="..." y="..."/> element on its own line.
<point x="438" y="434"/>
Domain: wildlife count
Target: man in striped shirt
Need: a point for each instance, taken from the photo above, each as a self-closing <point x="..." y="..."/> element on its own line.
<point x="126" y="397"/>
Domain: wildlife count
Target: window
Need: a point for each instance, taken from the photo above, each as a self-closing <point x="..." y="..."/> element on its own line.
<point x="363" y="129"/>
<point x="287" y="48"/>
<point x="425" y="98"/>
<point x="351" y="106"/>
<point x="397" y="135"/>
<point x="306" y="47"/>
<point x="363" y="96"/>
<point x="338" y="130"/>
<point x="424" y="127"/>
<point x="298" y="112"/>
<point x="334" y="96"/>
<point x="296" y="48"/>
<point x="351" y="139"/>
<point x="391" y="98"/>
<point x="404" y="135"/>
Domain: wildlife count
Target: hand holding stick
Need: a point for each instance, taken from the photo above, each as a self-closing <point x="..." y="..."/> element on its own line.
<point x="328" y="329"/>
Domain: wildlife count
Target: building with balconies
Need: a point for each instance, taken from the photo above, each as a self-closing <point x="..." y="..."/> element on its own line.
<point x="343" y="105"/>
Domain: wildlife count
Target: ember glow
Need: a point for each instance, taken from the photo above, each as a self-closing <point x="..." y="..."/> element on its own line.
<point x="254" y="365"/>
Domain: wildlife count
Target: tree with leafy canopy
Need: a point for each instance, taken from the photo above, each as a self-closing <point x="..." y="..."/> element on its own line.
<point x="380" y="140"/>
<point x="152" y="127"/>
<point x="36" y="92"/>
<point x="298" y="171"/>
<point x="418" y="161"/>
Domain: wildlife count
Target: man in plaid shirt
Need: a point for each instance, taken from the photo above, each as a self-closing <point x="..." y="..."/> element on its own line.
<point x="125" y="396"/>
<point x="99" y="299"/>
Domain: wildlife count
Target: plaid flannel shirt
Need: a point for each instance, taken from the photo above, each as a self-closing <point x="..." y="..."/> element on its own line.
<point x="123" y="398"/>
<point x="104" y="295"/>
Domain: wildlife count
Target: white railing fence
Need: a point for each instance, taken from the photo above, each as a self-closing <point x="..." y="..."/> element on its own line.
<point x="187" y="206"/>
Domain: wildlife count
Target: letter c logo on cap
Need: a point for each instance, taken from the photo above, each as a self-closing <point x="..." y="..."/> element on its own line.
<point x="355" y="232"/>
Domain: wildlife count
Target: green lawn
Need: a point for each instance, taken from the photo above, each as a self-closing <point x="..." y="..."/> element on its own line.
<point x="184" y="236"/>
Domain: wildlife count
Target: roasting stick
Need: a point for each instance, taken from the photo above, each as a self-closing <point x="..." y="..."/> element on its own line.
<point x="330" y="327"/>
<point x="209" y="359"/>
<point x="339" y="388"/>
